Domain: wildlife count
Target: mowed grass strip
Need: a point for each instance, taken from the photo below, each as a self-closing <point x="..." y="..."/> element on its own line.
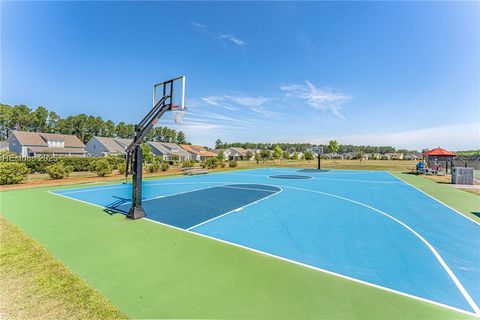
<point x="153" y="271"/>
<point x="34" y="285"/>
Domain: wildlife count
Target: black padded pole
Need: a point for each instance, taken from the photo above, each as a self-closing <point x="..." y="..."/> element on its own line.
<point x="137" y="211"/>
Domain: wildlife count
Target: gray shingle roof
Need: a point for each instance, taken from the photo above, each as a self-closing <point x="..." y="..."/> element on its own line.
<point x="40" y="139"/>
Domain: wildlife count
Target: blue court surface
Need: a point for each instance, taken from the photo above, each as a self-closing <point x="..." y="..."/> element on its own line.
<point x="367" y="226"/>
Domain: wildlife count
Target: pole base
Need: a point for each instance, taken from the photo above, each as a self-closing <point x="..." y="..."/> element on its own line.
<point x="136" y="212"/>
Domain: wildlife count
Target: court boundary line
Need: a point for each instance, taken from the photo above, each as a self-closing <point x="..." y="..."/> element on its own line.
<point x="430" y="196"/>
<point x="319" y="178"/>
<point x="366" y="283"/>
<point x="235" y="210"/>
<point x="437" y="255"/>
<point x="293" y="261"/>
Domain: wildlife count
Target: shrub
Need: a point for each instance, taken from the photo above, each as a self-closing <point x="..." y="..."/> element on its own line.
<point x="121" y="169"/>
<point x="165" y="166"/>
<point x="211" y="163"/>
<point x="101" y="167"/>
<point x="12" y="172"/>
<point x="39" y="164"/>
<point x="232" y="164"/>
<point x="154" y="167"/>
<point x="188" y="164"/>
<point x="59" y="170"/>
<point x="78" y="163"/>
<point x="222" y="164"/>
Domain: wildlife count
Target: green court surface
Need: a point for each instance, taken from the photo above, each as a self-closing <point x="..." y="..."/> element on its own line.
<point x="152" y="271"/>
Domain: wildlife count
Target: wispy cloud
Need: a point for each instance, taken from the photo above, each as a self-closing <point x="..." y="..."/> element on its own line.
<point x="212" y="100"/>
<point x="230" y="37"/>
<point x="322" y="99"/>
<point x="197" y="24"/>
<point x="249" y="101"/>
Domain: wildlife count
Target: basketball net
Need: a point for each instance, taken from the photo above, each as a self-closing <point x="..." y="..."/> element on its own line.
<point x="178" y="113"/>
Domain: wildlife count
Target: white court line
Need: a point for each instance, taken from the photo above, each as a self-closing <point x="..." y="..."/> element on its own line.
<point x="369" y="284"/>
<point x="454" y="278"/>
<point x="231" y="187"/>
<point x="436" y="254"/>
<point x="318" y="178"/>
<point x="236" y="210"/>
<point x="446" y="205"/>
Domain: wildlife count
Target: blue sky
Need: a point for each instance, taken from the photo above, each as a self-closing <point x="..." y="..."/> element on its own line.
<point x="402" y="74"/>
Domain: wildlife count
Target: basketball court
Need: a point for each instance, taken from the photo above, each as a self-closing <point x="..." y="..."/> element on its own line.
<point x="364" y="226"/>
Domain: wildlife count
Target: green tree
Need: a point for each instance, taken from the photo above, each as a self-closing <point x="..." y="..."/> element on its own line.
<point x="6" y="120"/>
<point x="333" y="146"/>
<point x="21" y="117"/>
<point x="181" y="138"/>
<point x="257" y="157"/>
<point x="108" y="129"/>
<point x="221" y="156"/>
<point x="286" y="155"/>
<point x="52" y="121"/>
<point x="265" y="154"/>
<point x="277" y="152"/>
<point x="218" y="144"/>
<point x="121" y="130"/>
<point x="39" y="119"/>
<point x="249" y="155"/>
<point x="360" y="155"/>
<point x="147" y="153"/>
<point x="309" y="155"/>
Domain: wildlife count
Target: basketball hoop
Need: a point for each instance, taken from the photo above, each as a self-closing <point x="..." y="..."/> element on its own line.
<point x="178" y="113"/>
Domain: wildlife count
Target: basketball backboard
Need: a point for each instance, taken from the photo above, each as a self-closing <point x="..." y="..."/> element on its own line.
<point x="174" y="89"/>
<point x="318" y="150"/>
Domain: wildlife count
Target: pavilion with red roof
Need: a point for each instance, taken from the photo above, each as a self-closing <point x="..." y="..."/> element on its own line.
<point x="439" y="154"/>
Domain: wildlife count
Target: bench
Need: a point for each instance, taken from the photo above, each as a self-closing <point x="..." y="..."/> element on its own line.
<point x="194" y="171"/>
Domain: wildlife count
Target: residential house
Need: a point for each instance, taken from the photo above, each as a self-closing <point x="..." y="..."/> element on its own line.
<point x="3" y="145"/>
<point x="235" y="154"/>
<point x="37" y="143"/>
<point x="413" y="156"/>
<point x="299" y="155"/>
<point x="253" y="151"/>
<point x="106" y="146"/>
<point x="198" y="153"/>
<point x="394" y="156"/>
<point x="217" y="151"/>
<point x="334" y="155"/>
<point x="169" y="151"/>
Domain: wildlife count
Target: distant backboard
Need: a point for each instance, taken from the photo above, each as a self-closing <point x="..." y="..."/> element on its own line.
<point x="318" y="150"/>
<point x="174" y="89"/>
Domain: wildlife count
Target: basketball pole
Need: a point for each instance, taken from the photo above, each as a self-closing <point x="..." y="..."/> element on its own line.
<point x="134" y="155"/>
<point x="319" y="162"/>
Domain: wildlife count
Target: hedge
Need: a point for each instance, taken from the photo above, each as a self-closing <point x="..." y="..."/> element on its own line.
<point x="12" y="172"/>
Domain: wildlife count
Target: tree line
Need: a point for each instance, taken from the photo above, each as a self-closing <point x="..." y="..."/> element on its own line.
<point x="22" y="117"/>
<point x="301" y="147"/>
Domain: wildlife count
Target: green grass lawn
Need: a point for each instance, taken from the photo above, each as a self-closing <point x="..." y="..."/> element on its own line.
<point x="152" y="271"/>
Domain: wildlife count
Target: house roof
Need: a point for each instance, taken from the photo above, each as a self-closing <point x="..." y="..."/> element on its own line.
<point x="439" y="152"/>
<point x="175" y="148"/>
<point x="159" y="147"/>
<point x="114" y="145"/>
<point x="199" y="150"/>
<point x="167" y="148"/>
<point x="56" y="150"/>
<point x="217" y="151"/>
<point x="40" y="139"/>
<point x="241" y="151"/>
